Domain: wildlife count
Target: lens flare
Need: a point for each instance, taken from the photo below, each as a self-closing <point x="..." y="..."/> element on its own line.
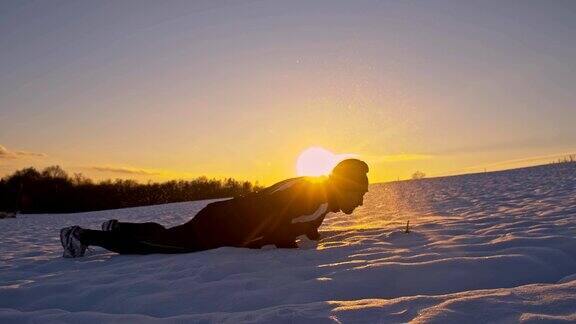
<point x="316" y="161"/>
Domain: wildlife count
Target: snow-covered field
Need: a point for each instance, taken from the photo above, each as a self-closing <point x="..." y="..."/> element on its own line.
<point x="494" y="247"/>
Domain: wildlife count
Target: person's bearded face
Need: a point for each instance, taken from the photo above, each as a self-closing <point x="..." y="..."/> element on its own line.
<point x="349" y="200"/>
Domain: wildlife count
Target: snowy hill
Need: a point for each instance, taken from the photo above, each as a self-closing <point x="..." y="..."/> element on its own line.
<point x="494" y="247"/>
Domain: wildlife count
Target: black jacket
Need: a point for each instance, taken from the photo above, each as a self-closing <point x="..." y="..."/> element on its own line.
<point x="276" y="215"/>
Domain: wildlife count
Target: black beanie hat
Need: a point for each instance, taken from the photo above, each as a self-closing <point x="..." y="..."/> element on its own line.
<point x="350" y="174"/>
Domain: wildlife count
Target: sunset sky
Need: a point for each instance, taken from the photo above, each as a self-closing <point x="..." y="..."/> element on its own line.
<point x="177" y="89"/>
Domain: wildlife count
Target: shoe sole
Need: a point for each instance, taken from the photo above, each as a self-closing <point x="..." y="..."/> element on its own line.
<point x="70" y="250"/>
<point x="108" y="226"/>
<point x="65" y="241"/>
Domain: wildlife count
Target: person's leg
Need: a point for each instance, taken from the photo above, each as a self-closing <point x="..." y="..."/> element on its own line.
<point x="214" y="226"/>
<point x="184" y="235"/>
<point x="125" y="244"/>
<point x="142" y="231"/>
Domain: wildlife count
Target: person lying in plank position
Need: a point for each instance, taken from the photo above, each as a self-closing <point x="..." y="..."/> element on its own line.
<point x="275" y="215"/>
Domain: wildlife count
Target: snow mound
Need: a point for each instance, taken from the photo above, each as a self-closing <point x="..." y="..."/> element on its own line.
<point x="493" y="247"/>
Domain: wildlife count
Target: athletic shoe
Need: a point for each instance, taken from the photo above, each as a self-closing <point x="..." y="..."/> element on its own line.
<point x="109" y="226"/>
<point x="70" y="239"/>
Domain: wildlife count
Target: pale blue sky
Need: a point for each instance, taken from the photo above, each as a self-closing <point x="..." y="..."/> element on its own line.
<point x="239" y="88"/>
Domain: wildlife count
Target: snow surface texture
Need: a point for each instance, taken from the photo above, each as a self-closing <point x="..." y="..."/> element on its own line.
<point x="495" y="247"/>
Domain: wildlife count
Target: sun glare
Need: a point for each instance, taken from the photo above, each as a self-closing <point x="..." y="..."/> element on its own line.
<point x="316" y="161"/>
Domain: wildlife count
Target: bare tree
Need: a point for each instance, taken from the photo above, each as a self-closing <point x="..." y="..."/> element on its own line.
<point x="418" y="175"/>
<point x="54" y="172"/>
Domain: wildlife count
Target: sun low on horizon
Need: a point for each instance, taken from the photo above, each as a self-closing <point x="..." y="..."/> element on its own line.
<point x="317" y="161"/>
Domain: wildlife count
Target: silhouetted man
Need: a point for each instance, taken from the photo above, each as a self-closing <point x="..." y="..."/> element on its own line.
<point x="275" y="215"/>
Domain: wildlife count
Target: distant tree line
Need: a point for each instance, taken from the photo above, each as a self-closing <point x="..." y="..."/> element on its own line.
<point x="52" y="190"/>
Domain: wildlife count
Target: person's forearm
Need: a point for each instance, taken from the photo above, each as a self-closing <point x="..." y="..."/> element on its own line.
<point x="313" y="234"/>
<point x="286" y="244"/>
<point x="282" y="240"/>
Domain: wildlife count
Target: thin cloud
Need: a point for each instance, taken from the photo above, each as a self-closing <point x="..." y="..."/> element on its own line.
<point x="7" y="154"/>
<point x="125" y="170"/>
<point x="506" y="145"/>
<point x="510" y="163"/>
<point x="541" y="158"/>
<point x="399" y="157"/>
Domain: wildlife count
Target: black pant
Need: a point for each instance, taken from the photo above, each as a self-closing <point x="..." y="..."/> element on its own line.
<point x="144" y="238"/>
